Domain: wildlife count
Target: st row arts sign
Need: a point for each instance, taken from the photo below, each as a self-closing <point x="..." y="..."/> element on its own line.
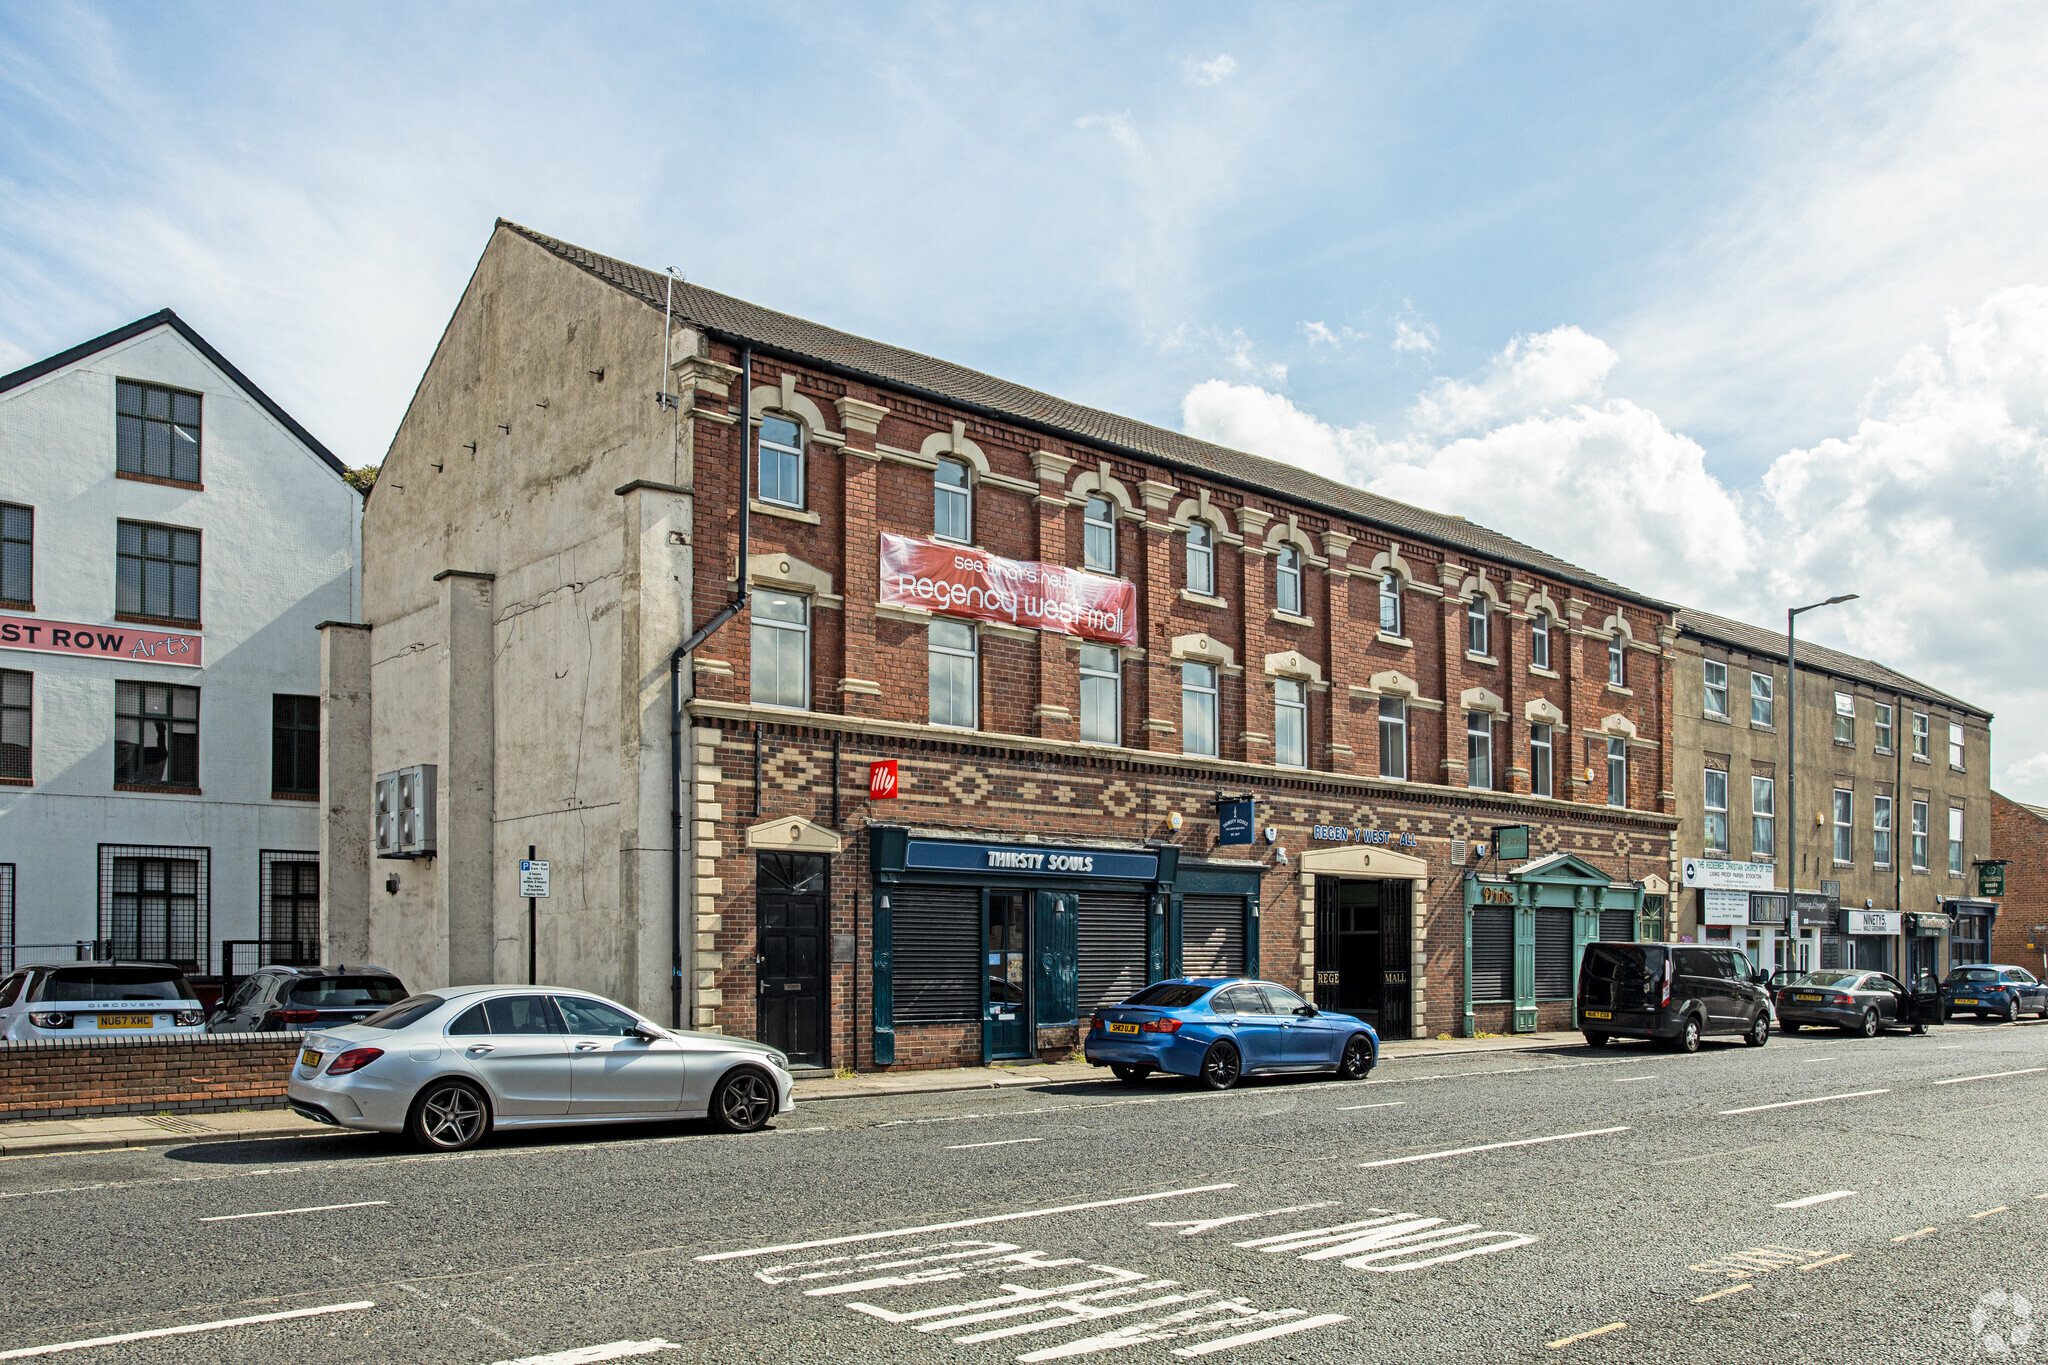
<point x="100" y="642"/>
<point x="953" y="581"/>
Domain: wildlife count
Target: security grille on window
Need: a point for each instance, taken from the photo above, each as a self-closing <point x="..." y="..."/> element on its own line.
<point x="1717" y="810"/>
<point x="1290" y="723"/>
<point x="17" y="725"/>
<point x="1919" y="836"/>
<point x="1845" y="718"/>
<point x="1617" y="662"/>
<point x="1955" y="840"/>
<point x="1617" y="772"/>
<point x="1201" y="559"/>
<point x="17" y="555"/>
<point x="157" y="431"/>
<point x="1478" y="632"/>
<point x="1919" y="734"/>
<point x="952" y="664"/>
<point x="1198" y="709"/>
<point x="1539" y="639"/>
<point x="157" y="571"/>
<point x="156" y="735"/>
<point x="781" y="462"/>
<point x="1881" y="831"/>
<point x="1287" y="580"/>
<point x="1101" y="695"/>
<point x="1541" y="781"/>
<point x="289" y="918"/>
<point x="1393" y="737"/>
<point x="1098" y="535"/>
<point x="1882" y="729"/>
<point x="154" y="904"/>
<point x="781" y="649"/>
<point x="1845" y="820"/>
<point x="295" y="745"/>
<point x="1955" y="746"/>
<point x="1717" y="688"/>
<point x="1479" y="750"/>
<point x="1762" y="699"/>
<point x="952" y="506"/>
<point x="6" y="917"/>
<point x="1390" y="604"/>
<point x="1763" y="817"/>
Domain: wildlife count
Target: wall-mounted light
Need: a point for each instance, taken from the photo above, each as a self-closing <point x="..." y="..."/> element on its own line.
<point x="391" y="884"/>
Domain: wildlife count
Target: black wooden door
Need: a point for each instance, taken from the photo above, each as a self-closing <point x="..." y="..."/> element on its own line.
<point x="790" y="919"/>
<point x="1396" y="954"/>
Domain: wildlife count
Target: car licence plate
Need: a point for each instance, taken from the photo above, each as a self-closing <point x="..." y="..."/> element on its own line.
<point x="308" y="1057"/>
<point x="1806" y="997"/>
<point x="127" y="1020"/>
<point x="1123" y="1028"/>
<point x="1598" y="1014"/>
<point x="1960" y="1000"/>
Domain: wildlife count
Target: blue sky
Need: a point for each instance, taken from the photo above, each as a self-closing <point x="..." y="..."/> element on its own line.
<point x="1735" y="303"/>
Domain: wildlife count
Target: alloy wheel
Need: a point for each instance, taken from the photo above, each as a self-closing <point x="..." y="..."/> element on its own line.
<point x="2012" y="1011"/>
<point x="1357" y="1059"/>
<point x="1870" y="1023"/>
<point x="1689" y="1036"/>
<point x="1221" y="1067"/>
<point x="1760" y="1031"/>
<point x="452" y="1117"/>
<point x="744" y="1102"/>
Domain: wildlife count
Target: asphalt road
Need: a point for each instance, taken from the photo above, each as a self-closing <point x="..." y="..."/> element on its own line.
<point x="1635" y="1195"/>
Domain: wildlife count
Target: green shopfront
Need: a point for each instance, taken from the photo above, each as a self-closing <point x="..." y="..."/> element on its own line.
<point x="1005" y="948"/>
<point x="1525" y="930"/>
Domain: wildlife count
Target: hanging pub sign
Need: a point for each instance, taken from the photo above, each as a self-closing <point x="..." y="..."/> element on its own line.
<point x="1511" y="841"/>
<point x="1235" y="820"/>
<point x="953" y="581"/>
<point x="1991" y="879"/>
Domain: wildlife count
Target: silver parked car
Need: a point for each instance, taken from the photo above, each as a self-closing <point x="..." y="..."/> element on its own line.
<point x="448" y="1066"/>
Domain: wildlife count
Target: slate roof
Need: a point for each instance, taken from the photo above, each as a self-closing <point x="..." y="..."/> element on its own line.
<point x="166" y="318"/>
<point x="1771" y="644"/>
<point x="736" y="320"/>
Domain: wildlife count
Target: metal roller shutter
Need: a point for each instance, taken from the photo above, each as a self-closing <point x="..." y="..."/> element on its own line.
<point x="1493" y="954"/>
<point x="938" y="947"/>
<point x="1618" y="926"/>
<point x="1553" y="954"/>
<point x="1212" y="936"/>
<point x="1112" y="947"/>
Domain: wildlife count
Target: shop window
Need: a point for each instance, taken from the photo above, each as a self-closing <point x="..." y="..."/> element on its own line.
<point x="1479" y="750"/>
<point x="1287" y="580"/>
<point x="156" y="735"/>
<point x="781" y="650"/>
<point x="1198" y="709"/>
<point x="1394" y="738"/>
<point x="780" y="460"/>
<point x="1882" y="728"/>
<point x="1955" y="840"/>
<point x="1617" y="771"/>
<point x="1762" y="699"/>
<point x="1390" y="604"/>
<point x="1201" y="559"/>
<point x="1290" y="723"/>
<point x="1098" y="535"/>
<point x="1845" y="718"/>
<point x="1716" y="688"/>
<point x="1919" y="836"/>
<point x="156" y="431"/>
<point x="1478" y="626"/>
<point x="1881" y="831"/>
<point x="1717" y="810"/>
<point x="951" y="664"/>
<point x="1541" y="780"/>
<point x="156" y="572"/>
<point x="1539" y="639"/>
<point x="1845" y="833"/>
<point x="952" y="503"/>
<point x="1955" y="747"/>
<point x="295" y="745"/>
<point x="1101" y="695"/>
<point x="1763" y="817"/>
<point x="17" y="725"/>
<point x="17" y="555"/>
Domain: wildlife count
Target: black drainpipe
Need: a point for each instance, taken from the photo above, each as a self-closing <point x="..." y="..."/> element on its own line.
<point x="677" y="774"/>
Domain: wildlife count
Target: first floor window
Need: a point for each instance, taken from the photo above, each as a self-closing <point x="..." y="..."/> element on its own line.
<point x="1955" y="840"/>
<point x="1617" y="771"/>
<point x="156" y="735"/>
<point x="1101" y="695"/>
<point x="295" y="745"/>
<point x="1881" y="831"/>
<point x="1478" y="634"/>
<point x="780" y="477"/>
<point x="1393" y="737"/>
<point x="1290" y="723"/>
<point x="1479" y="750"/>
<point x="153" y="904"/>
<point x="1717" y="809"/>
<point x="1845" y="818"/>
<point x="952" y="509"/>
<point x="1716" y="703"/>
<point x="17" y="554"/>
<point x="290" y="928"/>
<point x="1390" y="604"/>
<point x="1919" y="734"/>
<point x="1287" y="580"/>
<point x="1762" y="699"/>
<point x="782" y="649"/>
<point x="1201" y="559"/>
<point x="1763" y="817"/>
<point x="1540" y="779"/>
<point x="157" y="571"/>
<point x="1198" y="708"/>
<point x="952" y="673"/>
<point x="17" y="724"/>
<point x="1539" y="639"/>
<point x="1617" y="662"/>
<point x="1919" y="836"/>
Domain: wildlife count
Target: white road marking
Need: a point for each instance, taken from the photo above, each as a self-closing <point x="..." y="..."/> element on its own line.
<point x="1627" y="1080"/>
<point x="1005" y="1142"/>
<point x="1793" y="1104"/>
<point x="963" y="1223"/>
<point x="1383" y="1104"/>
<point x="1246" y="1338"/>
<point x="24" y="1352"/>
<point x="1489" y="1147"/>
<point x="1909" y="1236"/>
<point x="1191" y="1226"/>
<point x="590" y="1355"/>
<point x="1950" y="1047"/>
<point x="1992" y="1075"/>
<point x="1390" y="1243"/>
<point x="1813" y="1199"/>
<point x="1809" y="1061"/>
<point x="1839" y="1256"/>
<point x="2002" y="1208"/>
<point x="1563" y="1342"/>
<point x="1722" y="1293"/>
<point x="279" y="1213"/>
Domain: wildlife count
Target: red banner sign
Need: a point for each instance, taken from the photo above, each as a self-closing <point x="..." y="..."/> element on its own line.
<point x="99" y="642"/>
<point x="957" y="582"/>
<point x="882" y="780"/>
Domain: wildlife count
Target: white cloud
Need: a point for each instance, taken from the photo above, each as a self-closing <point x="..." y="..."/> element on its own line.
<point x="1417" y="338"/>
<point x="1336" y="338"/>
<point x="1212" y="72"/>
<point x="1119" y="126"/>
<point x="1931" y="509"/>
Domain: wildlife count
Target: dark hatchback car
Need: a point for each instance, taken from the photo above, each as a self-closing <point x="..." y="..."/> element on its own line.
<point x="274" y="998"/>
<point x="1993" y="991"/>
<point x="1856" y="1001"/>
<point x="1671" y="992"/>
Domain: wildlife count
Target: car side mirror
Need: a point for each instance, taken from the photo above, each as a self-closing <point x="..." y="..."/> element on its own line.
<point x="1306" y="1011"/>
<point x="647" y="1033"/>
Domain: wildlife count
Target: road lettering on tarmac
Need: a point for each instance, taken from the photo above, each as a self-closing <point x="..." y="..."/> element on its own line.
<point x="1389" y="1243"/>
<point x="1760" y="1260"/>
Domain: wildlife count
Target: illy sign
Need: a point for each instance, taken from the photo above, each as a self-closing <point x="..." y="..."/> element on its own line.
<point x="882" y="780"/>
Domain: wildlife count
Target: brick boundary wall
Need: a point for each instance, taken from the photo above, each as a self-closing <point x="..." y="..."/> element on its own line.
<point x="67" y="1078"/>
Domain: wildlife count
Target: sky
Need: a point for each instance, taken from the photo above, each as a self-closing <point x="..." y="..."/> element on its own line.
<point x="1742" y="305"/>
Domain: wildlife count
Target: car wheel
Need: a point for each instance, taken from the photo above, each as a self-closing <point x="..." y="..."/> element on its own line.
<point x="1221" y="1067"/>
<point x="1759" y="1032"/>
<point x="1869" y="1028"/>
<point x="1919" y="1027"/>
<point x="2044" y="1009"/>
<point x="449" y="1116"/>
<point x="743" y="1102"/>
<point x="2012" y="1011"/>
<point x="1688" y="1039"/>
<point x="1357" y="1059"/>
<point x="1599" y="1039"/>
<point x="1129" y="1074"/>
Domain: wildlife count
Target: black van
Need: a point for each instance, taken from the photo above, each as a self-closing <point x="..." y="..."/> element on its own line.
<point x="1676" y="993"/>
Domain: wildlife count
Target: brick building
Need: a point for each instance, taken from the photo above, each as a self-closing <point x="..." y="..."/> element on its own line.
<point x="1387" y="684"/>
<point x="2019" y="839"/>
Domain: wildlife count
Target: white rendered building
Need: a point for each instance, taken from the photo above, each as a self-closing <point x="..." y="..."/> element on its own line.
<point x="169" y="540"/>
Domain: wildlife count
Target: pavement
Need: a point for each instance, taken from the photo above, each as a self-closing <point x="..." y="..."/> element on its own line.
<point x="1823" y="1198"/>
<point x="171" y="1130"/>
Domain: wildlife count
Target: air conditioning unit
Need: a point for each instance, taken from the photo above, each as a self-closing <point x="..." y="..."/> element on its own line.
<point x="405" y="812"/>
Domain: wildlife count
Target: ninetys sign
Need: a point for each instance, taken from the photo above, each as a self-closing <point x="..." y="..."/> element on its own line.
<point x="124" y="642"/>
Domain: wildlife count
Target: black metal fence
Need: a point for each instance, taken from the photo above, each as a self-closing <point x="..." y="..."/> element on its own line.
<point x="79" y="950"/>
<point x="241" y="956"/>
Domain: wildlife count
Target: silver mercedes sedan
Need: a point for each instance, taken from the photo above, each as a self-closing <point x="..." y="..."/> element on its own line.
<point x="448" y="1066"/>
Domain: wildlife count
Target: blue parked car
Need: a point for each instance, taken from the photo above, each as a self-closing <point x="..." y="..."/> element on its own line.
<point x="1219" y="1029"/>
<point x="1991" y="990"/>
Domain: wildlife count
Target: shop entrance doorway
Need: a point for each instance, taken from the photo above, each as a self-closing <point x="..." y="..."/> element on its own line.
<point x="1363" y="933"/>
<point x="789" y="966"/>
<point x="1006" y="1022"/>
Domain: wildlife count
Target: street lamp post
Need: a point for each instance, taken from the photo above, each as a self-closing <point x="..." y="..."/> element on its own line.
<point x="1792" y="761"/>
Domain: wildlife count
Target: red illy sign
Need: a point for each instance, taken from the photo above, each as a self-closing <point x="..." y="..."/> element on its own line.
<point x="959" y="582"/>
<point x="882" y="780"/>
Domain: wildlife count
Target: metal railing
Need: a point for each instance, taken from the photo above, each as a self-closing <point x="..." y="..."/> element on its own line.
<point x="241" y="956"/>
<point x="79" y="950"/>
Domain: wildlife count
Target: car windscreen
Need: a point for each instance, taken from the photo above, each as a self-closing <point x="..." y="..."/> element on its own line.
<point x="1169" y="995"/>
<point x="1985" y="974"/>
<point x="114" y="983"/>
<point x="1844" y="981"/>
<point x="340" y="992"/>
<point x="410" y="1010"/>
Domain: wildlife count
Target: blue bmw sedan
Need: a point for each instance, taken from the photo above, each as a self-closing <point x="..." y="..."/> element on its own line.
<point x="1221" y="1029"/>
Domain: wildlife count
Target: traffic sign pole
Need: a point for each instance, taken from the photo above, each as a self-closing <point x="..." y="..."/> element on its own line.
<point x="532" y="931"/>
